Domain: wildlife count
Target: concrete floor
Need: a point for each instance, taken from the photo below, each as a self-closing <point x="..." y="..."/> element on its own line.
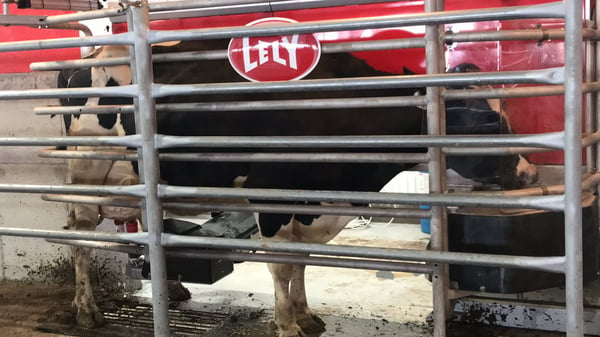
<point x="367" y="297"/>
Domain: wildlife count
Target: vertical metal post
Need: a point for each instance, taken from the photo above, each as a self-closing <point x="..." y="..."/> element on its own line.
<point x="152" y="207"/>
<point x="436" y="125"/>
<point x="573" y="163"/>
<point x="596" y="110"/>
<point x="590" y="98"/>
<point x="5" y="7"/>
<point x="138" y="122"/>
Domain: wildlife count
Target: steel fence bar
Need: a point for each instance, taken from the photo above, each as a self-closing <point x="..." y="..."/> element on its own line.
<point x="590" y="97"/>
<point x="573" y="163"/>
<point x="550" y="10"/>
<point x="550" y="263"/>
<point x="483" y="93"/>
<point x="552" y="90"/>
<point x="94" y="200"/>
<point x="128" y="190"/>
<point x="306" y="104"/>
<point x="547" y="76"/>
<point x="541" y="76"/>
<point x="451" y="94"/>
<point x="551" y="202"/>
<point x="490" y="151"/>
<point x="330" y="157"/>
<point x="436" y="126"/>
<point x="73" y="42"/>
<point x="245" y="207"/>
<point x="114" y="247"/>
<point x="408" y="43"/>
<point x="284" y="5"/>
<point x="84" y="109"/>
<point x="504" y="35"/>
<point x="137" y="238"/>
<point x="303" y="209"/>
<point x="120" y="91"/>
<point x="152" y="208"/>
<point x="418" y="268"/>
<point x="81" y="63"/>
<point x="333" y="103"/>
<point x="222" y="54"/>
<point x="551" y="140"/>
<point x="553" y="263"/>
<point x="133" y="140"/>
<point x="80" y="16"/>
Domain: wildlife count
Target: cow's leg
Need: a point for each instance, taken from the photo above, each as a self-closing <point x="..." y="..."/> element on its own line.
<point x="84" y="217"/>
<point x="309" y="322"/>
<point x="285" y="317"/>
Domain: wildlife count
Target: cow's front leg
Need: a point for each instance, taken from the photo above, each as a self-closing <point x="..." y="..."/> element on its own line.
<point x="84" y="217"/>
<point x="309" y="322"/>
<point x="285" y="317"/>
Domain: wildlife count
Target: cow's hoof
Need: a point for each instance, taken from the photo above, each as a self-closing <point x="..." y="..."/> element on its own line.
<point x="177" y="292"/>
<point x="292" y="331"/>
<point x="89" y="320"/>
<point x="311" y="324"/>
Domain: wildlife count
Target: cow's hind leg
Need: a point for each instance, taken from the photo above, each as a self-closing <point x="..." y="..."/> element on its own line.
<point x="84" y="217"/>
<point x="309" y="322"/>
<point x="285" y="315"/>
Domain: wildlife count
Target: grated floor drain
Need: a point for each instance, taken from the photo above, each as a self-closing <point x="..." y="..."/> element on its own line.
<point x="183" y="323"/>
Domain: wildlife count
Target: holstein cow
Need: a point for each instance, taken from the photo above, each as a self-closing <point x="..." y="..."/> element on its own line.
<point x="292" y="314"/>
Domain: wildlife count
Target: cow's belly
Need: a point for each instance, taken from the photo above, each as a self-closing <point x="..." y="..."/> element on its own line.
<point x="321" y="230"/>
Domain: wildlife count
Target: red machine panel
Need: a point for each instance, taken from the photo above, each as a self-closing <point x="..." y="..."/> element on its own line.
<point x="16" y="62"/>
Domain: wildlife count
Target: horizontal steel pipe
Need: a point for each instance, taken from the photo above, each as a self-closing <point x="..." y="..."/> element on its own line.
<point x="542" y="76"/>
<point x="99" y="154"/>
<point x="553" y="202"/>
<point x="552" y="140"/>
<point x="291" y="157"/>
<point x="306" y="104"/>
<point x="84" y="109"/>
<point x="301" y="209"/>
<point x="75" y="42"/>
<point x="245" y="207"/>
<point x="80" y="16"/>
<point x="112" y="246"/>
<point x="133" y="141"/>
<point x="137" y="238"/>
<point x="417" y="268"/>
<point x="551" y="263"/>
<point x="490" y="151"/>
<point x="504" y="35"/>
<point x="534" y="34"/>
<point x="254" y="257"/>
<point x="550" y="10"/>
<point x="246" y="157"/>
<point x="112" y="91"/>
<point x="94" y="200"/>
<point x="129" y="190"/>
<point x="271" y="5"/>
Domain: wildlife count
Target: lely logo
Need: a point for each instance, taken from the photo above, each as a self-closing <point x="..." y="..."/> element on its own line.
<point x="274" y="58"/>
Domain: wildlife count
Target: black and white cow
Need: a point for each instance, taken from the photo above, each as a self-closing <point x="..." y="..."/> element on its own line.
<point x="292" y="314"/>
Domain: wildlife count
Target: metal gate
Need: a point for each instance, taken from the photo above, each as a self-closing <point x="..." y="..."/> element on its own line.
<point x="557" y="80"/>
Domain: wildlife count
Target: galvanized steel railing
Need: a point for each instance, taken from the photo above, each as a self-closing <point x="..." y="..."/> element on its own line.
<point x="148" y="196"/>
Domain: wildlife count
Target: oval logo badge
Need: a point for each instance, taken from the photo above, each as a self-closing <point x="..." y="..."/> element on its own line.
<point x="274" y="58"/>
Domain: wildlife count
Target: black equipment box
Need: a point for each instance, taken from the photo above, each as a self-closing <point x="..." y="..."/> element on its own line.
<point x="236" y="225"/>
<point x="517" y="232"/>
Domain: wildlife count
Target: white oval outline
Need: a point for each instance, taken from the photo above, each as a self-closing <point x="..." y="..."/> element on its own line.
<point x="308" y="71"/>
